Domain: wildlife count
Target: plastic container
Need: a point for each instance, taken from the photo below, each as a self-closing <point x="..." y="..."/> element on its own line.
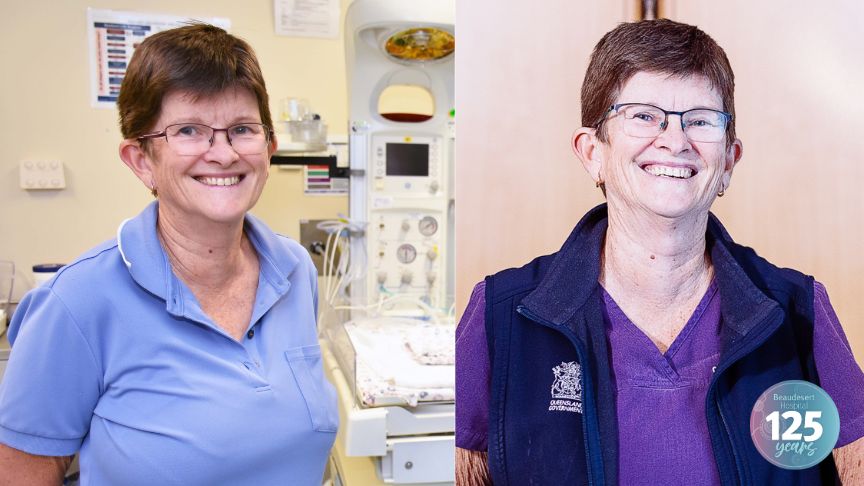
<point x="311" y="131"/>
<point x="43" y="272"/>
<point x="294" y="109"/>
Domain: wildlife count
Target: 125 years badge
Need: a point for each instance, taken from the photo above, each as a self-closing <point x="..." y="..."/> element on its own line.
<point x="794" y="424"/>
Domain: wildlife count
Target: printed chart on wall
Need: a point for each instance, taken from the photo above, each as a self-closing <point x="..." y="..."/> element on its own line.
<point x="113" y="36"/>
<point x="317" y="181"/>
<point x="307" y="18"/>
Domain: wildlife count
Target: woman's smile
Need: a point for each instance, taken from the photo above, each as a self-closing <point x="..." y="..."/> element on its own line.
<point x="669" y="170"/>
<point x="218" y="181"/>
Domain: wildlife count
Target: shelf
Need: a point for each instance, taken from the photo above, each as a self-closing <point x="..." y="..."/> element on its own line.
<point x="298" y="147"/>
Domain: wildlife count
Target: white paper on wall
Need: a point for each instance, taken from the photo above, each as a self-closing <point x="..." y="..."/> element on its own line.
<point x="307" y="18"/>
<point x="113" y="36"/>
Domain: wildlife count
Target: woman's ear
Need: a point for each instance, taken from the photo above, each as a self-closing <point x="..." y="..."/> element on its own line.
<point x="274" y="144"/>
<point x="588" y="148"/>
<point x="136" y="158"/>
<point x="733" y="155"/>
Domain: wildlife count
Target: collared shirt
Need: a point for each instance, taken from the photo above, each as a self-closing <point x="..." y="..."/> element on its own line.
<point x="116" y="357"/>
<point x="666" y="390"/>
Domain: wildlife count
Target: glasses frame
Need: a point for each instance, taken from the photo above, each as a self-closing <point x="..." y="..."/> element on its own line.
<point x="164" y="133"/>
<point x="614" y="108"/>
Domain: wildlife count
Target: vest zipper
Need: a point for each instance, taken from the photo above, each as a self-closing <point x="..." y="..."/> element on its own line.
<point x="761" y="337"/>
<point x="738" y="466"/>
<point x="593" y="461"/>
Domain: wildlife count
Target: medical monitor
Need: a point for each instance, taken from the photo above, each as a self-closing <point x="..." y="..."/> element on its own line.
<point x="407" y="159"/>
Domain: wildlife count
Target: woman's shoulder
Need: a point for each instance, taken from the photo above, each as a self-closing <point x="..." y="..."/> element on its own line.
<point x="839" y="372"/>
<point x="514" y="280"/>
<point x="100" y="264"/>
<point x="471" y="331"/>
<point x="76" y="290"/>
<point x="473" y="316"/>
<point x="826" y="321"/>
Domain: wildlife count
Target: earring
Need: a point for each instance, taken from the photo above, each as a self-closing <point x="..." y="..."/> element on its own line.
<point x="722" y="192"/>
<point x="599" y="181"/>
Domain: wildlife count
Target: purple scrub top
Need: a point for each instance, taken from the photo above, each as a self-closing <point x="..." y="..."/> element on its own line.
<point x="660" y="397"/>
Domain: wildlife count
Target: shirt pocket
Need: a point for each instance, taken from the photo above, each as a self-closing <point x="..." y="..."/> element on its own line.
<point x="318" y="394"/>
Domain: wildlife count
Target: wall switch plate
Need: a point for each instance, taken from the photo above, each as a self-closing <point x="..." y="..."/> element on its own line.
<point x="42" y="174"/>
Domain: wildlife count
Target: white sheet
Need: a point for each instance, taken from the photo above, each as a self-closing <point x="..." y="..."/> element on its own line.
<point x="390" y="363"/>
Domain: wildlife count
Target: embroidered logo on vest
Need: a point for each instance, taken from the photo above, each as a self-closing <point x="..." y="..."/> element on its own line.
<point x="567" y="388"/>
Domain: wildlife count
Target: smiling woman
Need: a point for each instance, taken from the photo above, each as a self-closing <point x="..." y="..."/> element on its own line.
<point x="192" y="165"/>
<point x="661" y="170"/>
<point x="155" y="353"/>
<point x="650" y="334"/>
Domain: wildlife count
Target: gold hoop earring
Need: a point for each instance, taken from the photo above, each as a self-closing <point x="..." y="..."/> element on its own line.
<point x="722" y="192"/>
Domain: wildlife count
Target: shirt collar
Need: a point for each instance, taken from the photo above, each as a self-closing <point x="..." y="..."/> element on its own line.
<point x="148" y="264"/>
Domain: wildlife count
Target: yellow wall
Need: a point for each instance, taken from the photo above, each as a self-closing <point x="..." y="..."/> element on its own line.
<point x="45" y="113"/>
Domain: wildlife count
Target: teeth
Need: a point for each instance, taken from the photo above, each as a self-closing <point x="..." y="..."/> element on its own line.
<point x="219" y="181"/>
<point x="662" y="170"/>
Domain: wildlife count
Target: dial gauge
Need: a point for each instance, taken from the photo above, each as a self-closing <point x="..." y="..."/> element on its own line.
<point x="406" y="253"/>
<point x="428" y="226"/>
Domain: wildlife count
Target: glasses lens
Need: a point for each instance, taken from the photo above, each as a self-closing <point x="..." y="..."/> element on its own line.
<point x="704" y="125"/>
<point x="700" y="125"/>
<point x="249" y="138"/>
<point x="196" y="139"/>
<point x="189" y="138"/>
<point x="642" y="120"/>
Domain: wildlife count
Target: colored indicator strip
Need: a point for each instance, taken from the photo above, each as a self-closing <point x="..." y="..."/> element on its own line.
<point x="319" y="171"/>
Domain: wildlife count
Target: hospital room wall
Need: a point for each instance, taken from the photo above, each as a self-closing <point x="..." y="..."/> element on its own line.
<point x="46" y="115"/>
<point x="796" y="195"/>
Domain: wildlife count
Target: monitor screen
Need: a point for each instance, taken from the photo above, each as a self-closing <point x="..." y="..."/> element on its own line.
<point x="407" y="159"/>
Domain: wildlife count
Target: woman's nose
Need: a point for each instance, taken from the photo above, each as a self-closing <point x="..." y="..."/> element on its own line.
<point x="672" y="135"/>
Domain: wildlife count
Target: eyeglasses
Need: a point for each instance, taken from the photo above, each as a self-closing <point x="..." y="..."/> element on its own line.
<point x="648" y="121"/>
<point x="196" y="139"/>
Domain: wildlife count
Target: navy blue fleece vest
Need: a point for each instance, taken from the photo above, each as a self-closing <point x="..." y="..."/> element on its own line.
<point x="547" y="315"/>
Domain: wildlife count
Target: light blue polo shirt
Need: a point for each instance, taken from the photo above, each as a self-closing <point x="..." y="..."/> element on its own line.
<point x="116" y="358"/>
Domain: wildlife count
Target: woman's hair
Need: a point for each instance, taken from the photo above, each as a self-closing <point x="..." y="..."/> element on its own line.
<point x="654" y="46"/>
<point x="198" y="59"/>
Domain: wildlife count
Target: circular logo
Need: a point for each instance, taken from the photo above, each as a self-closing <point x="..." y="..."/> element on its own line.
<point x="794" y="424"/>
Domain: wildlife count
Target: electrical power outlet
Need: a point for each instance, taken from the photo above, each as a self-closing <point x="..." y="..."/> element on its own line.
<point x="42" y="174"/>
